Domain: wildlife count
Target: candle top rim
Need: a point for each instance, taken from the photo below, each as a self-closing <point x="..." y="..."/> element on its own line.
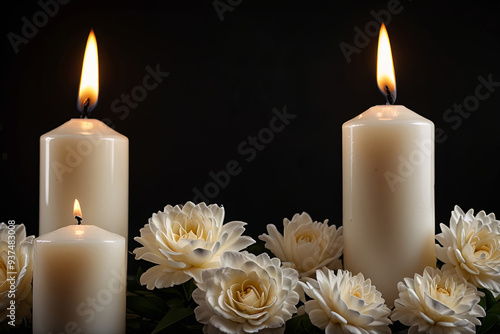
<point x="84" y="126"/>
<point x="80" y="233"/>
<point x="388" y="115"/>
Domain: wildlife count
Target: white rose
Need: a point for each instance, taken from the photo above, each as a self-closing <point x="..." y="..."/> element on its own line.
<point x="343" y="303"/>
<point x="185" y="240"/>
<point x="246" y="294"/>
<point x="440" y="302"/>
<point x="308" y="245"/>
<point x="16" y="252"/>
<point x="471" y="245"/>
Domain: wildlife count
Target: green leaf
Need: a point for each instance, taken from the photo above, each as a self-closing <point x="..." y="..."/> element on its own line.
<point x="492" y="318"/>
<point x="297" y="320"/>
<point x="146" y="307"/>
<point x="173" y="316"/>
<point x="175" y="302"/>
<point x="482" y="303"/>
<point x="168" y="293"/>
<point x="139" y="326"/>
<point x="174" y="290"/>
<point x="299" y="324"/>
<point x="490" y="321"/>
<point x="495" y="309"/>
<point x="133" y="282"/>
<point x="194" y="328"/>
<point x="188" y="288"/>
<point x="489" y="299"/>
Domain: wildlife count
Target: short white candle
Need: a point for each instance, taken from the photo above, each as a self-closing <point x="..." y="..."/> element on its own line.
<point x="79" y="281"/>
<point x="85" y="159"/>
<point x="388" y="195"/>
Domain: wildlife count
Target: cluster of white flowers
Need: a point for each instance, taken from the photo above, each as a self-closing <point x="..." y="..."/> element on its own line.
<point x="337" y="303"/>
<point x="238" y="292"/>
<point x="446" y="300"/>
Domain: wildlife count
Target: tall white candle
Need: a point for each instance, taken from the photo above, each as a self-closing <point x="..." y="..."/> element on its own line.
<point x="388" y="194"/>
<point x="85" y="159"/>
<point x="79" y="281"/>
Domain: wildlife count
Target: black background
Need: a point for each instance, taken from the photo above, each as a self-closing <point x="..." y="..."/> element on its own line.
<point x="226" y="76"/>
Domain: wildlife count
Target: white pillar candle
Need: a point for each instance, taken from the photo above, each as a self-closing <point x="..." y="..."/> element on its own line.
<point x="85" y="159"/>
<point x="79" y="281"/>
<point x="388" y="195"/>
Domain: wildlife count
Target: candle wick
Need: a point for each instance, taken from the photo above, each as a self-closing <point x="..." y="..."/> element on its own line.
<point x="85" y="109"/>
<point x="388" y="96"/>
<point x="79" y="219"/>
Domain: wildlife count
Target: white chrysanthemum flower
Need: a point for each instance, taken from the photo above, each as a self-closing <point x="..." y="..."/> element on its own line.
<point x="472" y="246"/>
<point x="306" y="244"/>
<point x="440" y="302"/>
<point x="246" y="294"/>
<point x="343" y="303"/>
<point x="185" y="240"/>
<point x="16" y="272"/>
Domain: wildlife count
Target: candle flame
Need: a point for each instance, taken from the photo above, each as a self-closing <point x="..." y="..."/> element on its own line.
<point x="386" y="78"/>
<point x="77" y="210"/>
<point x="89" y="82"/>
